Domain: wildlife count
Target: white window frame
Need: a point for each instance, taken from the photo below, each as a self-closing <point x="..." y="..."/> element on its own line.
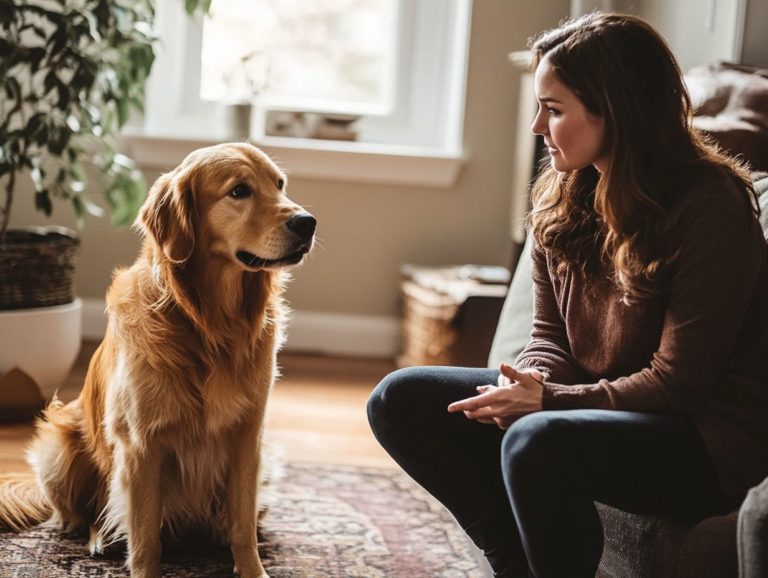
<point x="418" y="142"/>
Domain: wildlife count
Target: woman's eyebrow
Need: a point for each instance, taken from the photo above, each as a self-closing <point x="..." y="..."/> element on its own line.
<point x="549" y="99"/>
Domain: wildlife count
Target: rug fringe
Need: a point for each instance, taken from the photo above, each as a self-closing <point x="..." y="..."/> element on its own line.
<point x="22" y="503"/>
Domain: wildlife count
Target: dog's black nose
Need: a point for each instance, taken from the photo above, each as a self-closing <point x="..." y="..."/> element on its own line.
<point x="303" y="225"/>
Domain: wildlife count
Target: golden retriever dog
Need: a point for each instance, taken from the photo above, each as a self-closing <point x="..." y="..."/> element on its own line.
<point x="166" y="434"/>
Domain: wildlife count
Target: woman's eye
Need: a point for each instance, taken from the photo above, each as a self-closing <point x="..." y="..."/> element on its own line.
<point x="240" y="192"/>
<point x="553" y="111"/>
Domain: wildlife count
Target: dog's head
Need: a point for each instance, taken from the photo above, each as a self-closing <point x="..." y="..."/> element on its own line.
<point x="229" y="202"/>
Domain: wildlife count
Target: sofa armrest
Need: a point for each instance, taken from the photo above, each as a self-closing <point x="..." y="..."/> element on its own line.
<point x="514" y="328"/>
<point x="753" y="533"/>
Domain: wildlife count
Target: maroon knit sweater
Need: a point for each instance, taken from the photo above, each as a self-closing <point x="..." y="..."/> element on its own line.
<point x="700" y="348"/>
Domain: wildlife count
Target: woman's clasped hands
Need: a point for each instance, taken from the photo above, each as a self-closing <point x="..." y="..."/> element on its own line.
<point x="517" y="393"/>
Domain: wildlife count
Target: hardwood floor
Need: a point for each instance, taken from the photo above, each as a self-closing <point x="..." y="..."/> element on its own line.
<point x="316" y="411"/>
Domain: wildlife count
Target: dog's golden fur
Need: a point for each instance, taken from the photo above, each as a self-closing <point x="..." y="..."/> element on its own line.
<point x="166" y="433"/>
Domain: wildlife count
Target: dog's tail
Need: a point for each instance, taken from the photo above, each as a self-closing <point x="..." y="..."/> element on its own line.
<point x="22" y="502"/>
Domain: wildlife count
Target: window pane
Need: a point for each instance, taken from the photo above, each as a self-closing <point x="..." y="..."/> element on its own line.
<point x="292" y="50"/>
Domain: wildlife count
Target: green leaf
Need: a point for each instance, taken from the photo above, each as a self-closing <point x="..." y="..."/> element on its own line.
<point x="73" y="123"/>
<point x="92" y="208"/>
<point x="7" y="11"/>
<point x="58" y="40"/>
<point x="79" y="209"/>
<point x="43" y="202"/>
<point x="37" y="128"/>
<point x="197" y="7"/>
<point x="83" y="77"/>
<point x="40" y="32"/>
<point x="76" y="171"/>
<point x="123" y="111"/>
<point x="6" y="48"/>
<point x="38" y="178"/>
<point x="12" y="88"/>
<point x="64" y="96"/>
<point x="51" y="81"/>
<point x="103" y="14"/>
<point x="122" y="161"/>
<point x="59" y="137"/>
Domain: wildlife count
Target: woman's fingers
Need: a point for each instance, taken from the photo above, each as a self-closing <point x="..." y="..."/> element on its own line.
<point x="527" y="377"/>
<point x="503" y="422"/>
<point x="474" y="403"/>
<point x="507" y="371"/>
<point x="488" y="420"/>
<point x="486" y="412"/>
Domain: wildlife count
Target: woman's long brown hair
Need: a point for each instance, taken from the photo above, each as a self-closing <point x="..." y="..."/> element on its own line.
<point x="624" y="72"/>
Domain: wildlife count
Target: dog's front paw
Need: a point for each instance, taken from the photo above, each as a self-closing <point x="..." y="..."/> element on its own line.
<point x="145" y="568"/>
<point x="95" y="542"/>
<point x="255" y="572"/>
<point x="146" y="572"/>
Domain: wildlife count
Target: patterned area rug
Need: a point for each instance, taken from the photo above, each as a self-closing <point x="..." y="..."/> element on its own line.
<point x="325" y="522"/>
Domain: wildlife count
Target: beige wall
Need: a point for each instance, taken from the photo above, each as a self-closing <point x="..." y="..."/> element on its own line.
<point x="699" y="31"/>
<point x="366" y="232"/>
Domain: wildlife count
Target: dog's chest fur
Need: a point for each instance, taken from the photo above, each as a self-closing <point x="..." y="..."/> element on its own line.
<point x="227" y="396"/>
<point x="194" y="416"/>
<point x="170" y="405"/>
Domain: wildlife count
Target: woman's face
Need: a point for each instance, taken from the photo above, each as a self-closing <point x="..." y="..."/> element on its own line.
<point x="573" y="135"/>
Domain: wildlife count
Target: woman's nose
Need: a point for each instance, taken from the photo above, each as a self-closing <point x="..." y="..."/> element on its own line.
<point x="538" y="127"/>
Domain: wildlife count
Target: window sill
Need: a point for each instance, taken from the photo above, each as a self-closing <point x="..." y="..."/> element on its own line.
<point x="315" y="159"/>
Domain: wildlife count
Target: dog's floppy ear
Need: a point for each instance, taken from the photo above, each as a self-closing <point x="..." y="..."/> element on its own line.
<point x="168" y="216"/>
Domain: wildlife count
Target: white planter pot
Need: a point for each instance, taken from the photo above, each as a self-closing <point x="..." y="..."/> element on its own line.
<point x="43" y="342"/>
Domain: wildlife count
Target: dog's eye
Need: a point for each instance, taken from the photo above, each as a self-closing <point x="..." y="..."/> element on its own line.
<point x="280" y="184"/>
<point x="240" y="192"/>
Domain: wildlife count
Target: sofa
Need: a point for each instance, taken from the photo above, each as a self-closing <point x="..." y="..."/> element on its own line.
<point x="731" y="105"/>
<point x="639" y="546"/>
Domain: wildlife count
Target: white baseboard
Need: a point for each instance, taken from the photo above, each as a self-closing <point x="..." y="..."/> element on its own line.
<point x="94" y="319"/>
<point x="308" y="331"/>
<point x="343" y="334"/>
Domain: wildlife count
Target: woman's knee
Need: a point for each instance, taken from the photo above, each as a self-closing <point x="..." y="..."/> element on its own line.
<point x="534" y="440"/>
<point x="422" y="394"/>
<point x="387" y="393"/>
<point x="394" y="397"/>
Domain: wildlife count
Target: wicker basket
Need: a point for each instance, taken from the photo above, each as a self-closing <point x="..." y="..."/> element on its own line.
<point x="37" y="266"/>
<point x="449" y="316"/>
<point x="428" y="329"/>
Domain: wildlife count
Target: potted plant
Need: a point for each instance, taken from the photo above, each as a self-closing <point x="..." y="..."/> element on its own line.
<point x="71" y="73"/>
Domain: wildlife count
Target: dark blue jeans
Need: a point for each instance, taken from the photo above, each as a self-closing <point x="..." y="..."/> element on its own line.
<point x="526" y="495"/>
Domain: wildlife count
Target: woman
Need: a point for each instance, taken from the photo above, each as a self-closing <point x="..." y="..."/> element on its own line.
<point x="645" y="383"/>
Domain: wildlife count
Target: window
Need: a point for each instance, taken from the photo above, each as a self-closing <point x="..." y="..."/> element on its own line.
<point x="408" y="85"/>
<point x="418" y="93"/>
<point x="334" y="55"/>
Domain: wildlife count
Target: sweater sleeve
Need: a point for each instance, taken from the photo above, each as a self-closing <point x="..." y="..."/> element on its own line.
<point x="717" y="251"/>
<point x="548" y="350"/>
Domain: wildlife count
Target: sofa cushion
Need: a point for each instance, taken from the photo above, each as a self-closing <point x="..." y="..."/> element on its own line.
<point x="514" y="328"/>
<point x="639" y="546"/>
<point x="731" y="105"/>
<point x="753" y="533"/>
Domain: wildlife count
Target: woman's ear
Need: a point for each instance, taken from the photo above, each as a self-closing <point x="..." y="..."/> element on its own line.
<point x="168" y="216"/>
